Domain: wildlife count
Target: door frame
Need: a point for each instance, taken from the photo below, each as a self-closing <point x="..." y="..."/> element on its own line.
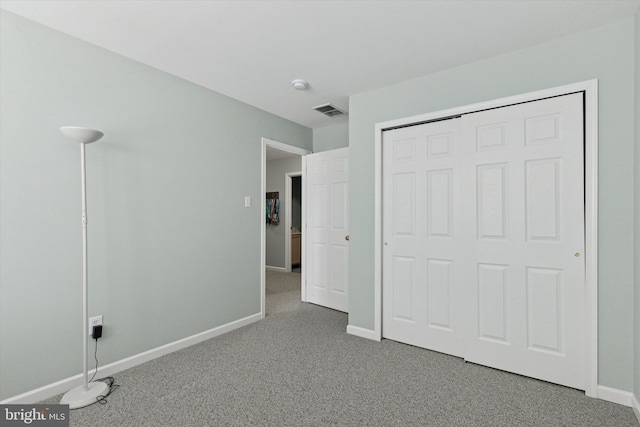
<point x="266" y="142"/>
<point x="287" y="219"/>
<point x="590" y="89"/>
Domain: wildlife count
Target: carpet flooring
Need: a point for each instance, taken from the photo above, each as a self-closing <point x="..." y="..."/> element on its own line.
<point x="298" y="367"/>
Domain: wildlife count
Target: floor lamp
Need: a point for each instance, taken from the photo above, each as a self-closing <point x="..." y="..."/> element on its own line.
<point x="86" y="393"/>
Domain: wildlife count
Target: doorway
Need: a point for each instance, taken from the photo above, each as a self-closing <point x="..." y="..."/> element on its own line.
<point x="293" y="222"/>
<point x="279" y="220"/>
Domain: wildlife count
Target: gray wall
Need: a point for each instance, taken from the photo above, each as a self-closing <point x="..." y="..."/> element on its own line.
<point x="172" y="250"/>
<point x="331" y="137"/>
<point x="275" y="234"/>
<point x="605" y="53"/>
<point x="637" y="216"/>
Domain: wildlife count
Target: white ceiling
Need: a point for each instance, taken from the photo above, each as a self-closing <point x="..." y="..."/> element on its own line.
<point x="252" y="50"/>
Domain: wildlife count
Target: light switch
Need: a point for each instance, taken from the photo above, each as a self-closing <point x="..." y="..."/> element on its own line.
<point x="247" y="201"/>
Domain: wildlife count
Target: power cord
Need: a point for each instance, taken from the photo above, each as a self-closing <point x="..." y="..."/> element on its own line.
<point x="102" y="399"/>
<point x="95" y="356"/>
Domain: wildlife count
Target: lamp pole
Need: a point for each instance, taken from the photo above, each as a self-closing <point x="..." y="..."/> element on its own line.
<point x="86" y="393"/>
<point x="85" y="272"/>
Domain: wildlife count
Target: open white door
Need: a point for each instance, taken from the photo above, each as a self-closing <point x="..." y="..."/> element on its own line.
<point x="327" y="232"/>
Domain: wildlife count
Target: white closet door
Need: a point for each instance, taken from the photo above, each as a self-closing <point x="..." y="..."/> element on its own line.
<point x="524" y="172"/>
<point x="422" y="274"/>
<point x="327" y="252"/>
<point x="483" y="238"/>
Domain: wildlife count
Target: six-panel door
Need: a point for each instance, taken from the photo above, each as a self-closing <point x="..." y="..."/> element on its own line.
<point x="525" y="180"/>
<point x="421" y="278"/>
<point x="327" y="249"/>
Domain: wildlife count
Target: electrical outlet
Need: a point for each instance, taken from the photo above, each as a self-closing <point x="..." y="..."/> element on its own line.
<point x="94" y="321"/>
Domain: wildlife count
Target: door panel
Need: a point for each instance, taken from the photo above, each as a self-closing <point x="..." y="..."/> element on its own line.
<point x="493" y="303"/>
<point x="544" y="309"/>
<point x="403" y="275"/>
<point x="492" y="182"/>
<point x="327" y="227"/>
<point x="543" y="199"/>
<point x="438" y="298"/>
<point x="439" y="203"/>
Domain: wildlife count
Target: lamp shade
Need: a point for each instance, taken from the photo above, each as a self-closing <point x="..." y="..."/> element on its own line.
<point x="82" y="135"/>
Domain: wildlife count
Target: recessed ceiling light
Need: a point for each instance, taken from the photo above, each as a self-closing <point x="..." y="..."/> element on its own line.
<point x="300" y="84"/>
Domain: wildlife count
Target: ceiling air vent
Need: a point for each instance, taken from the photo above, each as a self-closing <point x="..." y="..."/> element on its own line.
<point x="329" y="110"/>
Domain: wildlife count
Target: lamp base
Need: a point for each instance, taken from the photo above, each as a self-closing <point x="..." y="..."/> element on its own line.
<point x="78" y="397"/>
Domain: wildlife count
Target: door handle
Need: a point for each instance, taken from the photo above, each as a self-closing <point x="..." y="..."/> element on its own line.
<point x="346" y="237"/>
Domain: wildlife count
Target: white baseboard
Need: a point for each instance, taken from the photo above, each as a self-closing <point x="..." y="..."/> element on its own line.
<point x="636" y="406"/>
<point x="66" y="384"/>
<point x="614" y="395"/>
<point x="270" y="267"/>
<point x="362" y="333"/>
